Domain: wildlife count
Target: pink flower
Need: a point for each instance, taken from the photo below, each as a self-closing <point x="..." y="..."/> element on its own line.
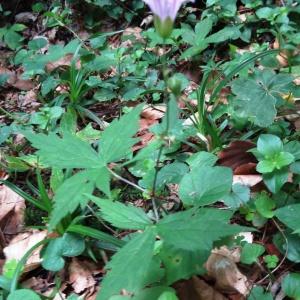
<point x="165" y="9"/>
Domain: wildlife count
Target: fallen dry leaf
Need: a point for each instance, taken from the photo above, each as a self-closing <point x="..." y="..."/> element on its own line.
<point x="81" y="276"/>
<point x="221" y="265"/>
<point x="197" y="289"/>
<point x="20" y="244"/>
<point x="150" y="116"/>
<point x="15" y="80"/>
<point x="12" y="208"/>
<point x="236" y="155"/>
<point x="25" y="17"/>
<point x="3" y="175"/>
<point x="128" y="32"/>
<point x="205" y="291"/>
<point x="247" y="180"/>
<point x="153" y="112"/>
<point x="39" y="285"/>
<point x="29" y="100"/>
<point x="62" y="62"/>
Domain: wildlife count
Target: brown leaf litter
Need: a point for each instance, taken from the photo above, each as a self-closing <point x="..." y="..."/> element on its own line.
<point x="15" y="79"/>
<point x="12" y="208"/>
<point x="21" y="243"/>
<point x="221" y="265"/>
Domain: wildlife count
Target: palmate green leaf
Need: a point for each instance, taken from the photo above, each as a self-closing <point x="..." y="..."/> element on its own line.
<point x="194" y="230"/>
<point x="258" y="95"/>
<point x="120" y="215"/>
<point x="129" y="267"/>
<point x="72" y="192"/>
<point x="66" y="152"/>
<point x="205" y="185"/>
<point x="116" y="140"/>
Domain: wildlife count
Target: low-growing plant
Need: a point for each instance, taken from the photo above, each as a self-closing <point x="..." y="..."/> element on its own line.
<point x="77" y="171"/>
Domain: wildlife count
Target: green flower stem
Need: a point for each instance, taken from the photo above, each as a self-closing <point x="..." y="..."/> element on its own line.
<point x="155" y="203"/>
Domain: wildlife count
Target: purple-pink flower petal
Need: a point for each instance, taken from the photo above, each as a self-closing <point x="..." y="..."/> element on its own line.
<point x="166" y="8"/>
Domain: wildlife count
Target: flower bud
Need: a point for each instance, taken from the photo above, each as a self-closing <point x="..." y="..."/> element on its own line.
<point x="174" y="84"/>
<point x="164" y="28"/>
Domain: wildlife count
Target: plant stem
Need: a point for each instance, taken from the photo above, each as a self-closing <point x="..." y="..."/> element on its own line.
<point x="126" y="181"/>
<point x="155" y="205"/>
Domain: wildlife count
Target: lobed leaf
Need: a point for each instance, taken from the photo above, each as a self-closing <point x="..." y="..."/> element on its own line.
<point x="129" y="267"/>
<point x="116" y="140"/>
<point x="66" y="152"/>
<point x="122" y="216"/>
<point x="193" y="230"/>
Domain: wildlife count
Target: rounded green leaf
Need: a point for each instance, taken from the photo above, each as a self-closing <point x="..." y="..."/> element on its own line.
<point x="292" y="247"/>
<point x="205" y="185"/>
<point x="291" y="285"/>
<point x="251" y="252"/>
<point x="258" y="293"/>
<point x="265" y="166"/>
<point x="265" y="205"/>
<point x="37" y="43"/>
<point x="269" y="145"/>
<point x="289" y="215"/>
<point x="69" y="245"/>
<point x="275" y="180"/>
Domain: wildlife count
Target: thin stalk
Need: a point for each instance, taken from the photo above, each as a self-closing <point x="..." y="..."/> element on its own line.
<point x="270" y="274"/>
<point x="155" y="205"/>
<point x="126" y="181"/>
